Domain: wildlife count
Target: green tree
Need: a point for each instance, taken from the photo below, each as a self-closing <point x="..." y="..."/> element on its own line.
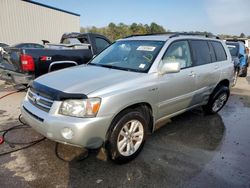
<point x="115" y="31"/>
<point x="155" y="28"/>
<point x="242" y="35"/>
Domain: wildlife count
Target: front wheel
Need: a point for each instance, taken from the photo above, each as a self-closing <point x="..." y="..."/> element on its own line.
<point x="217" y="100"/>
<point x="128" y="134"/>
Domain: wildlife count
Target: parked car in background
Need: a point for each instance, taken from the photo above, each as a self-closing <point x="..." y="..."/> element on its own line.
<point x="240" y="58"/>
<point x="27" y="45"/>
<point x="2" y="51"/>
<point x="128" y="90"/>
<point x="23" y="63"/>
<point x="2" y="45"/>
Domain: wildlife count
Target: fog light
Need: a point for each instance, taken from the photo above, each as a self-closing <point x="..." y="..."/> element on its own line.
<point x="67" y="133"/>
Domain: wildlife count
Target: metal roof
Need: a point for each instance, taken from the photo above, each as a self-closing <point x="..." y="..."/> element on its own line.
<point x="54" y="8"/>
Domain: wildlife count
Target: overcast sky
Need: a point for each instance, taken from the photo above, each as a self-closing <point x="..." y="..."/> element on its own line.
<point x="217" y="16"/>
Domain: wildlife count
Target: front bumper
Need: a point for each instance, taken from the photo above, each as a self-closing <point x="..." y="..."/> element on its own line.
<point x="87" y="132"/>
<point x="15" y="77"/>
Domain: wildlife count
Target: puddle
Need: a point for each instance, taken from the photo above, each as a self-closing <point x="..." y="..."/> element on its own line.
<point x="20" y="167"/>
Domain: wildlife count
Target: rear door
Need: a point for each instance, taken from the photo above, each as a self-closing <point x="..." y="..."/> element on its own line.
<point x="207" y="69"/>
<point x="225" y="61"/>
<point x="176" y="89"/>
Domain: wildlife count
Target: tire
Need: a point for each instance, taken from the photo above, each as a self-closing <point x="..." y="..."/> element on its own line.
<point x="236" y="73"/>
<point x="121" y="140"/>
<point x="217" y="100"/>
<point x="243" y="72"/>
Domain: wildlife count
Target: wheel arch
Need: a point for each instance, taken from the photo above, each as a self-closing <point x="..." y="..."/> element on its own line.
<point x="143" y="107"/>
<point x="224" y="82"/>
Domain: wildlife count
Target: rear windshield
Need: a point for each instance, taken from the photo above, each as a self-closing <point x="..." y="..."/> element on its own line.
<point x="233" y="48"/>
<point x="81" y="40"/>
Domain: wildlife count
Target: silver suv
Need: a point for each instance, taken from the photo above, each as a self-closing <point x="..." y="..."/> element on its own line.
<point x="129" y="89"/>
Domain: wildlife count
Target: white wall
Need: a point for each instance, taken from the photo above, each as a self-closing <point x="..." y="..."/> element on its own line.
<point x="21" y="21"/>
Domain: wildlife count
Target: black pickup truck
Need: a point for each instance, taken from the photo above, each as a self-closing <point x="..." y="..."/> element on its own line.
<point x="21" y="65"/>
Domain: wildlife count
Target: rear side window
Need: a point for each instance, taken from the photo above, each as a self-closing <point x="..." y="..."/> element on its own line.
<point x="201" y="53"/>
<point x="219" y="51"/>
<point x="233" y="48"/>
<point x="212" y="52"/>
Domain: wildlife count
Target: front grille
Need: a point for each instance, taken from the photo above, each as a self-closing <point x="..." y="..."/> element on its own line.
<point x="38" y="100"/>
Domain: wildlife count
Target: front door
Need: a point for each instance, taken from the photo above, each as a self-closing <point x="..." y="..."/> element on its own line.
<point x="176" y="90"/>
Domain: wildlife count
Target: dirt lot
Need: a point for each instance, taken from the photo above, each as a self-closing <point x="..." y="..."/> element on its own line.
<point x="192" y="151"/>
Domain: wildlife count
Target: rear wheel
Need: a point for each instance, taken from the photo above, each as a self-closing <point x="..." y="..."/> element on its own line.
<point x="217" y="100"/>
<point x="243" y="72"/>
<point x="127" y="137"/>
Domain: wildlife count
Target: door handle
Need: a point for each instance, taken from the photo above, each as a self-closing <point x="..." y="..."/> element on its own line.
<point x="216" y="67"/>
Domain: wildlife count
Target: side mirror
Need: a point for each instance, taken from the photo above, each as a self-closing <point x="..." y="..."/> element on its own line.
<point x="169" y="67"/>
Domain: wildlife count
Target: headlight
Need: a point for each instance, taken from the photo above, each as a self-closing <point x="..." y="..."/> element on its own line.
<point x="80" y="107"/>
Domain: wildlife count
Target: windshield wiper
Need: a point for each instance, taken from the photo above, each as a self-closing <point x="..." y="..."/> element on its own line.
<point x="115" y="67"/>
<point x="102" y="65"/>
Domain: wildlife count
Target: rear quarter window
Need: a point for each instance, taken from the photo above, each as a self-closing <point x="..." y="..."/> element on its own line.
<point x="219" y="51"/>
<point x="201" y="52"/>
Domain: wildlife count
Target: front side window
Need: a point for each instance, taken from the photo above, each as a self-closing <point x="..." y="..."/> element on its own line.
<point x="101" y="44"/>
<point x="130" y="55"/>
<point x="178" y="52"/>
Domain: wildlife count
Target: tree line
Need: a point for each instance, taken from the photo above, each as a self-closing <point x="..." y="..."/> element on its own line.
<point x="116" y="31"/>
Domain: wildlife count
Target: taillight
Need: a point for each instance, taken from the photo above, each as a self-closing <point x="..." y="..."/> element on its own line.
<point x="27" y="63"/>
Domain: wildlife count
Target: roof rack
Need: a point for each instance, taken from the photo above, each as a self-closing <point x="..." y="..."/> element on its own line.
<point x="148" y="34"/>
<point x="174" y="34"/>
<point x="194" y="34"/>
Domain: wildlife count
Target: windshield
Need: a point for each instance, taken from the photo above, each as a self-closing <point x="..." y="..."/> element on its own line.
<point x="233" y="48"/>
<point x="129" y="55"/>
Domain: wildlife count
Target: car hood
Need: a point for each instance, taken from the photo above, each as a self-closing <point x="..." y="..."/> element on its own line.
<point x="85" y="79"/>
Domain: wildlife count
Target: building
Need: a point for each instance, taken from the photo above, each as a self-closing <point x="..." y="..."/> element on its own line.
<point x="29" y="21"/>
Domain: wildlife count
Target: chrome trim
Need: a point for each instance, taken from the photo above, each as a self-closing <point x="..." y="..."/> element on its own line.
<point x="39" y="101"/>
<point x="43" y="98"/>
<point x="61" y="62"/>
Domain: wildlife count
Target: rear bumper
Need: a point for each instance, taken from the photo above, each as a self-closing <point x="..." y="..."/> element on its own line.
<point x="14" y="77"/>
